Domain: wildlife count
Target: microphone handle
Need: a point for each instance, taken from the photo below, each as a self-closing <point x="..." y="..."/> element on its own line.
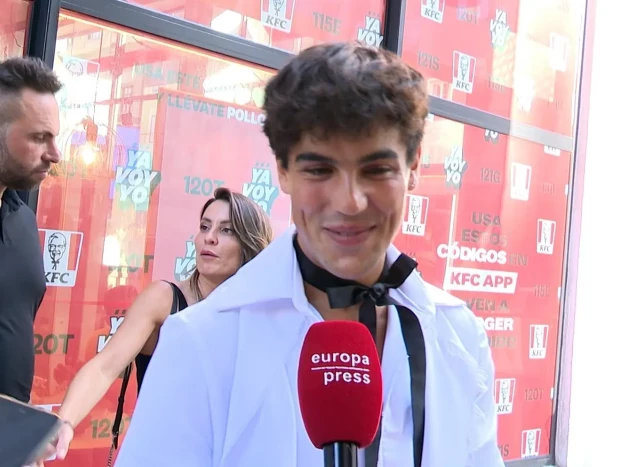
<point x="340" y="454"/>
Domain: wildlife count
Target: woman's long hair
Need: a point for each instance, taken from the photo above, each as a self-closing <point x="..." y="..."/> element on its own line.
<point x="250" y="224"/>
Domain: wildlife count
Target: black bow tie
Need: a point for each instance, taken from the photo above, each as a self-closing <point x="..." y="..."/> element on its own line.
<point x="343" y="293"/>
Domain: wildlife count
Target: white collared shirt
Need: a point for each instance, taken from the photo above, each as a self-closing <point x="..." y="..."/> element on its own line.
<point x="221" y="389"/>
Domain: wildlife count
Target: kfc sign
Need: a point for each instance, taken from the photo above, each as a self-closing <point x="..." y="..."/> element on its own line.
<point x="479" y="280"/>
<point x="433" y="10"/>
<point x="416" y="212"/>
<point x="545" y="236"/>
<point x="463" y="68"/>
<point x="277" y="14"/>
<point x="504" y="395"/>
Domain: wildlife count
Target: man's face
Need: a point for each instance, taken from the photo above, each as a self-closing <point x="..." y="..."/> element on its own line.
<point x="27" y="143"/>
<point x="347" y="200"/>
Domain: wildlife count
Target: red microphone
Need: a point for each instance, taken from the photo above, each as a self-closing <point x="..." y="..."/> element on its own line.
<point x="340" y="389"/>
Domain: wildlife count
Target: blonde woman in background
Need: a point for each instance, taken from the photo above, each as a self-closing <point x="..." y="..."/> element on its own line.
<point x="233" y="230"/>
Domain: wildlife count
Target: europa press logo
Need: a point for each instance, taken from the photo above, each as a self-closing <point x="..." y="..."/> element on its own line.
<point x="530" y="443"/>
<point x="416" y="212"/>
<point x="261" y="189"/>
<point x="433" y="10"/>
<point x="463" y="69"/>
<point x="454" y="167"/>
<point x="277" y="14"/>
<point x="504" y="395"/>
<point x="61" y="256"/>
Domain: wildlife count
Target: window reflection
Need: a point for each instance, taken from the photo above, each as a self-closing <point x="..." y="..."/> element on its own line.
<point x="514" y="58"/>
<point x="149" y="129"/>
<point x="13" y="27"/>
<point x="291" y="25"/>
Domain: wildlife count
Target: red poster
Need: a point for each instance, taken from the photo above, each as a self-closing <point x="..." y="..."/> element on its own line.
<point x="488" y="226"/>
<point x="203" y="144"/>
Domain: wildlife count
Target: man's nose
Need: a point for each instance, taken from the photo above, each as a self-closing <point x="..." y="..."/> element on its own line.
<point x="53" y="152"/>
<point x="349" y="197"/>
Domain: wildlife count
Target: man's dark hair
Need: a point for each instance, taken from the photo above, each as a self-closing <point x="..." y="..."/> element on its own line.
<point x="344" y="89"/>
<point x="20" y="73"/>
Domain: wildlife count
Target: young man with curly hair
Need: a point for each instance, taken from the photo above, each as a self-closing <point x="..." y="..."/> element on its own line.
<point x="345" y="122"/>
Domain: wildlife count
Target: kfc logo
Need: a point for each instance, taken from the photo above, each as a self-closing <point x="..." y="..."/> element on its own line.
<point x="530" y="443"/>
<point x="463" y="69"/>
<point x="433" y="10"/>
<point x="277" y="14"/>
<point x="539" y="336"/>
<point x="520" y="181"/>
<point x="545" y="236"/>
<point x="415" y="215"/>
<point x="558" y="52"/>
<point x="61" y="256"/>
<point x="504" y="395"/>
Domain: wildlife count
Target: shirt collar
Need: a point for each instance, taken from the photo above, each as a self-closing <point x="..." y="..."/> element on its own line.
<point x="274" y="275"/>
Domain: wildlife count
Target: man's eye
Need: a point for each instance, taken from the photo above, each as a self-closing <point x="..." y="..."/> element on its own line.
<point x="378" y="170"/>
<point x="318" y="171"/>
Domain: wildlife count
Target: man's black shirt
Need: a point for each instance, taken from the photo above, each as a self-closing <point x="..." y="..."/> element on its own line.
<point x="22" y="287"/>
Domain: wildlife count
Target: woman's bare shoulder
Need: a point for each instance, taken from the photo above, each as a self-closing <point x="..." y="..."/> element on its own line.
<point x="155" y="300"/>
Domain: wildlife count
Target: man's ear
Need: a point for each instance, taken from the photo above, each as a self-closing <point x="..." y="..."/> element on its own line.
<point x="283" y="178"/>
<point x="414" y="170"/>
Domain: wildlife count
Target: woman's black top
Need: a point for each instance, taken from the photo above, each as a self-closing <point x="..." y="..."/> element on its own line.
<point x="142" y="361"/>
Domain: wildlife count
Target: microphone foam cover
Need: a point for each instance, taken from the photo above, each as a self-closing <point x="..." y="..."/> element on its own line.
<point x="339" y="384"/>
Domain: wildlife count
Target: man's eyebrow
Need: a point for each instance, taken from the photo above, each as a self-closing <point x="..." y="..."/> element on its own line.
<point x="314" y="157"/>
<point x="382" y="154"/>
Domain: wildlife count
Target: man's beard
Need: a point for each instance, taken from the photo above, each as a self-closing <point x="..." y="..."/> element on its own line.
<point x="13" y="175"/>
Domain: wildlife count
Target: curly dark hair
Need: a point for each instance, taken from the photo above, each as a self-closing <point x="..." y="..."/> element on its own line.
<point x="347" y="89"/>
